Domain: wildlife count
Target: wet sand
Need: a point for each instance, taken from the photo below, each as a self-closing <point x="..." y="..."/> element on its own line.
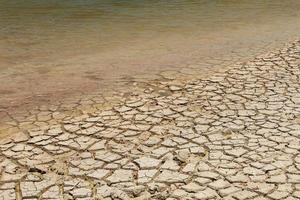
<point x="26" y="86"/>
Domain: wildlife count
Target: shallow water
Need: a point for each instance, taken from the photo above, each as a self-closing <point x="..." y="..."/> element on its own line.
<point x="43" y="30"/>
<point x="54" y="45"/>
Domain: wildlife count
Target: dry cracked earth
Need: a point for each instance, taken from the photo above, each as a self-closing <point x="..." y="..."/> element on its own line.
<point x="233" y="135"/>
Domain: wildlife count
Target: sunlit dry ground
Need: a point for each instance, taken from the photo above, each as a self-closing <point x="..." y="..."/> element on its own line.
<point x="231" y="135"/>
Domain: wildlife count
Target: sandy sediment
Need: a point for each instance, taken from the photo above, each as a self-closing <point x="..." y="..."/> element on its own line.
<point x="230" y="135"/>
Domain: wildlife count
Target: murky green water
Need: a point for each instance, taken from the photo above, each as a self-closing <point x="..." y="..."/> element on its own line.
<point x="50" y="45"/>
<point x="38" y="30"/>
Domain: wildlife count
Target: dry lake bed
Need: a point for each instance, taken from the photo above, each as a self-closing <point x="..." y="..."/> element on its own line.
<point x="140" y="100"/>
<point x="232" y="135"/>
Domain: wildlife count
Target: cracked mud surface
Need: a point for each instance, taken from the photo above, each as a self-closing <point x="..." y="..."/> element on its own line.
<point x="233" y="135"/>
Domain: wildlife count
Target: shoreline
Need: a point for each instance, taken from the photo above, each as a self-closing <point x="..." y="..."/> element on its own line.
<point x="26" y="84"/>
<point x="13" y="118"/>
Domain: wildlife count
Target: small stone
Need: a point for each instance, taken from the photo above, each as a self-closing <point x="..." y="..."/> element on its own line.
<point x="175" y="88"/>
